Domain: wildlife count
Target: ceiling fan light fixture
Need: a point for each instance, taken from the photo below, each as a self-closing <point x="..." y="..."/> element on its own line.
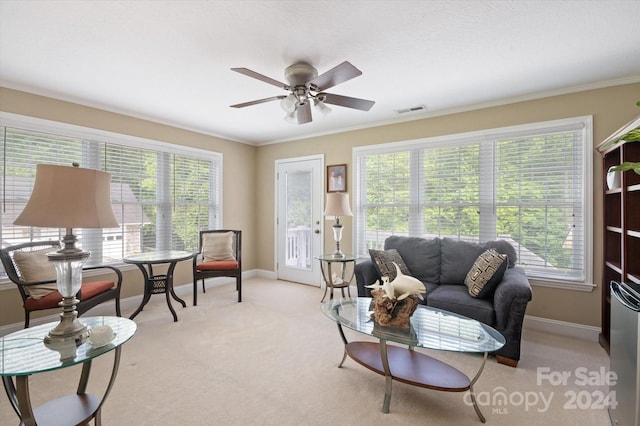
<point x="305" y="85"/>
<point x="291" y="118"/>
<point x="289" y="103"/>
<point x="322" y="107"/>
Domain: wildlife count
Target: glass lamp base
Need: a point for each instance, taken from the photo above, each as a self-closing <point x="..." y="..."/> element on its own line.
<point x="69" y="329"/>
<point x="337" y="235"/>
<point x="338" y="255"/>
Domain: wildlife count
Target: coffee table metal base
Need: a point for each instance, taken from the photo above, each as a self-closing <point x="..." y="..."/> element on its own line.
<point x="410" y="367"/>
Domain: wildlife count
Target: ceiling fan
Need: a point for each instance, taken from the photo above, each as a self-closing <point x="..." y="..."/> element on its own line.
<point x="306" y="86"/>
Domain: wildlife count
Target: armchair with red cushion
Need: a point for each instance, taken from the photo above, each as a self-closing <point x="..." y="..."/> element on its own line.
<point x="219" y="255"/>
<point x="28" y="267"/>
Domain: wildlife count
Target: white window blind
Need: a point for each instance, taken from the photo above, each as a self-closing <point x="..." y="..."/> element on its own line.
<point x="162" y="197"/>
<point x="527" y="185"/>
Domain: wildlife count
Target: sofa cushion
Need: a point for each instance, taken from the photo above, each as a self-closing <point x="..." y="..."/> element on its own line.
<point x="503" y="247"/>
<point x="429" y="288"/>
<point x="455" y="298"/>
<point x="485" y="273"/>
<point x="421" y="256"/>
<point x="458" y="257"/>
<point x="384" y="262"/>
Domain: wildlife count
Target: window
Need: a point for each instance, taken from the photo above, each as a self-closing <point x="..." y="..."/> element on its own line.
<point x="162" y="195"/>
<point x="528" y="184"/>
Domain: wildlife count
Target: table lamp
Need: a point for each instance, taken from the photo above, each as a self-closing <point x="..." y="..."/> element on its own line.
<point x="337" y="205"/>
<point x="69" y="197"/>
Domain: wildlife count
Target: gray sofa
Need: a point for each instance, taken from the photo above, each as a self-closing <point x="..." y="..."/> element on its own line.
<point x="442" y="265"/>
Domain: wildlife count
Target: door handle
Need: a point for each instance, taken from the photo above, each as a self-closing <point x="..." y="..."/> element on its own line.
<point x="317" y="231"/>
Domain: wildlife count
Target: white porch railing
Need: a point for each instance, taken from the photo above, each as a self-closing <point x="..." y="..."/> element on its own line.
<point x="299" y="247"/>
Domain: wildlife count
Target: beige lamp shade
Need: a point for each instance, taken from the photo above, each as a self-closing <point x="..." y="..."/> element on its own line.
<point x="337" y="204"/>
<point x="69" y="197"/>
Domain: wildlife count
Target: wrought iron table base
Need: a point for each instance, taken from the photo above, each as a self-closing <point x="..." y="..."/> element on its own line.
<point x="158" y="284"/>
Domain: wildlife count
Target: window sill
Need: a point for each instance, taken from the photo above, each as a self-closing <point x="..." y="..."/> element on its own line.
<point x="564" y="285"/>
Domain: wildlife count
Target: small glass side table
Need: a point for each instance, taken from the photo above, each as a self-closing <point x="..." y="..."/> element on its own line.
<point x="337" y="280"/>
<point x="24" y="353"/>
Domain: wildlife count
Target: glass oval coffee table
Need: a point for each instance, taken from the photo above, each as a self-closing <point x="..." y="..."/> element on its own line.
<point x="430" y="328"/>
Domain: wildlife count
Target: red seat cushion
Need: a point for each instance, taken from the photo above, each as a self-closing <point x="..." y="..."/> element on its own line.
<point x="52" y="299"/>
<point x="218" y="265"/>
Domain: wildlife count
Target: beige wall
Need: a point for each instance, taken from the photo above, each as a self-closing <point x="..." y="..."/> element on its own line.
<point x="239" y="177"/>
<point x="249" y="174"/>
<point x="611" y="108"/>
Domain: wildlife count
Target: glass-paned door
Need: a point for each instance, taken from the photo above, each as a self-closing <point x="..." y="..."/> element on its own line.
<point x="299" y="218"/>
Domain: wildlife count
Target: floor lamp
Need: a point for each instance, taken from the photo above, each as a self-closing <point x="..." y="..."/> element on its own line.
<point x="69" y="197"/>
<point x="337" y="205"/>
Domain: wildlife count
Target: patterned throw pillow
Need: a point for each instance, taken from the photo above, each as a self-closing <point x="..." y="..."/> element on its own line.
<point x="486" y="273"/>
<point x="35" y="266"/>
<point x="384" y="260"/>
<point x="218" y="246"/>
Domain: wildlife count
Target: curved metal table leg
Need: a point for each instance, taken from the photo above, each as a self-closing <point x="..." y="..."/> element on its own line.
<point x="169" y="288"/>
<point x="344" y="340"/>
<point x="324" y="294"/>
<point x="472" y="393"/>
<point x="173" y="311"/>
<point x="84" y="377"/>
<point x="387" y="377"/>
<point x="147" y="290"/>
<point x="353" y="272"/>
<point x="326" y="280"/>
<point x="169" y="291"/>
<point x="330" y="281"/>
<point x="112" y="380"/>
<point x="10" y="389"/>
<point x="24" y="401"/>
<point x="19" y="398"/>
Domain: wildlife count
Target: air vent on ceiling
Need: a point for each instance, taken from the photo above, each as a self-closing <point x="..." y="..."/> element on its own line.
<point x="411" y="109"/>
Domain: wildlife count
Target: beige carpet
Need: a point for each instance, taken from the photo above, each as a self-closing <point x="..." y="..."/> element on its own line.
<point x="272" y="360"/>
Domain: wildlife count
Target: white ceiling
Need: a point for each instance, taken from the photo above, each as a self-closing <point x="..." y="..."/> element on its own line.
<point x="169" y="61"/>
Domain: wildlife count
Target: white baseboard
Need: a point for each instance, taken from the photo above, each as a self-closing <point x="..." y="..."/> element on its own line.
<point x="185" y="291"/>
<point x="563" y="328"/>
<point x="263" y="273"/>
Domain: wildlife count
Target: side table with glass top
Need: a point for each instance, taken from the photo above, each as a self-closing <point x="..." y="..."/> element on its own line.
<point x="337" y="280"/>
<point x="158" y="283"/>
<point x="24" y="353"/>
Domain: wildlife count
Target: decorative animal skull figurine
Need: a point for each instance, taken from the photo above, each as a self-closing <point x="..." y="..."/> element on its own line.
<point x="405" y="285"/>
<point x="401" y="287"/>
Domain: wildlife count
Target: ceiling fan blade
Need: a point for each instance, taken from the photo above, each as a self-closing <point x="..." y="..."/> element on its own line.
<point x="346" y="101"/>
<point x="258" y="101"/>
<point x="336" y="75"/>
<point x="261" y="77"/>
<point x="304" y="112"/>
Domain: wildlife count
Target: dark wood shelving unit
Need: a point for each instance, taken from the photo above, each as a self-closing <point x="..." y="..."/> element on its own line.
<point x="621" y="220"/>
